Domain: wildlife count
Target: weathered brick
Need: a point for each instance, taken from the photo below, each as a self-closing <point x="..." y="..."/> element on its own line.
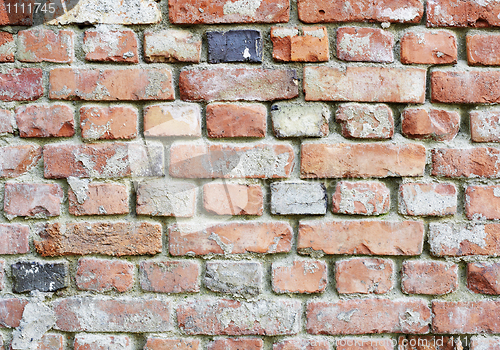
<point x="7" y="47"/>
<point x="102" y="342"/>
<point x="485" y="125"/>
<point x="9" y="15"/>
<point x="103" y="45"/>
<point x="100" y="275"/>
<point x="231" y="317"/>
<point x="45" y="121"/>
<point x="236" y="344"/>
<point x="233" y="84"/>
<point x="365" y="45"/>
<point x="471" y="86"/>
<point x="363" y="275"/>
<point x="365" y="84"/>
<point x="480" y="342"/>
<point x="365" y="121"/>
<point x="482" y="202"/>
<point x="304" y="44"/>
<point x="11" y="312"/>
<point x="483" y="49"/>
<point x="44" y="277"/>
<point x="446" y="13"/>
<point x="170" y="276"/>
<point x="361" y="198"/>
<point x="23" y="84"/>
<point x="471" y="163"/>
<point x="242" y="279"/>
<point x="321" y="160"/>
<point x="6" y="122"/>
<point x="231" y="161"/>
<point x="302" y="276"/>
<point x="428" y="342"/>
<point x="427" y="199"/>
<point x="45" y="45"/>
<point x="2" y="278"/>
<point x="134" y="315"/>
<point x="108" y="123"/>
<point x="14" y="239"/>
<point x="116" y="239"/>
<point x="234" y="46"/>
<point x="236" y="120"/>
<point x="34" y="200"/>
<point x="174" y="119"/>
<point x="230" y="238"/>
<point x="171" y="45"/>
<point x="368" y="316"/>
<point x="97" y="198"/>
<point x="434" y="124"/>
<point x="94" y="84"/>
<point x="298" y="198"/>
<point x="361" y="237"/>
<point x="300" y="119"/>
<point x="448" y="239"/>
<point x="429" y="277"/>
<point x="154" y="343"/>
<point x="233" y="199"/>
<point x="429" y="47"/>
<point x="226" y="11"/>
<point x="484" y="278"/>
<point x="302" y="344"/>
<point x="18" y="160"/>
<point x="475" y="317"/>
<point x="166" y="198"/>
<point x="51" y="342"/>
<point x="103" y="160"/>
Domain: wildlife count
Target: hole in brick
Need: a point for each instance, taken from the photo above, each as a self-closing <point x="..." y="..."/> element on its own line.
<point x="321" y="12"/>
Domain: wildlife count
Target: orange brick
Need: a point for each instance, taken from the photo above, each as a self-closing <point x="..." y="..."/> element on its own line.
<point x="446" y="13"/>
<point x="484" y="278"/>
<point x="485" y="125"/>
<point x="482" y="202"/>
<point x="473" y="162"/>
<point x="9" y="16"/>
<point x="97" y="199"/>
<point x="154" y="343"/>
<point x="44" y="45"/>
<point x="18" y="160"/>
<point x="365" y="121"/>
<point x="363" y="275"/>
<point x="435" y="124"/>
<point x="172" y="120"/>
<point x="7" y="47"/>
<point x="110" y="46"/>
<point x="300" y="277"/>
<point x="24" y="84"/>
<point x="236" y="344"/>
<point x="101" y="275"/>
<point x="436" y="47"/>
<point x="475" y="317"/>
<point x="170" y="276"/>
<point x="45" y="121"/>
<point x="233" y="199"/>
<point x="304" y="44"/>
<point x="483" y="49"/>
<point x="362" y="198"/>
<point x="32" y="200"/>
<point x="236" y="120"/>
<point x="365" y="45"/>
<point x="108" y="123"/>
<point x="429" y="277"/>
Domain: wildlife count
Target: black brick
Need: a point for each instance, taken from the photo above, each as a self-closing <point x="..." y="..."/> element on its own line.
<point x="234" y="46"/>
<point x="32" y="275"/>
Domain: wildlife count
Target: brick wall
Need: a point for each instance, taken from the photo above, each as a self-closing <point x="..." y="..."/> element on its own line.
<point x="250" y="174"/>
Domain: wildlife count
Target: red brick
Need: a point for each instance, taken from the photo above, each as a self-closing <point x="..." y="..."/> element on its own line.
<point x="166" y="198"/>
<point x="435" y="124"/>
<point x="236" y="344"/>
<point x="365" y="84"/>
<point x="154" y="343"/>
<point x="9" y="15"/>
<point x="368" y="316"/>
<point x="172" y="120"/>
<point x="482" y="202"/>
<point x="365" y="45"/>
<point x="428" y="342"/>
<point x="427" y="199"/>
<point x="364" y="344"/>
<point x="103" y="160"/>
<point x="116" y="239"/>
<point x="436" y="47"/>
<point x="474" y="317"/>
<point x="2" y="276"/>
<point x="429" y="277"/>
<point x="170" y="276"/>
<point x="304" y="44"/>
<point x="471" y="163"/>
<point x="45" y="121"/>
<point x="44" y="45"/>
<point x="35" y="200"/>
<point x="227" y="11"/>
<point x="110" y="46"/>
<point x="14" y="239"/>
<point x="101" y="275"/>
<point x="483" y="14"/>
<point x="233" y="199"/>
<point x="18" y="160"/>
<point x="483" y="49"/>
<point x="300" y="277"/>
<point x="6" y="121"/>
<point x="361" y="237"/>
<point x="171" y="45"/>
<point x="111" y="84"/>
<point x="102" y="342"/>
<point x="231" y="161"/>
<point x="231" y="238"/>
<point x="236" y="120"/>
<point x="87" y="314"/>
<point x="484" y="278"/>
<point x="108" y="123"/>
<point x="365" y="121"/>
<point x="99" y="199"/>
<point x="479" y="342"/>
<point x="231" y="317"/>
<point x="7" y="47"/>
<point x="485" y="125"/>
<point x="465" y="86"/>
<point x="24" y="84"/>
<point x="11" y="312"/>
<point x="364" y="275"/>
<point x="233" y="84"/>
<point x="446" y="13"/>
<point x="362" y="198"/>
<point x="302" y="344"/>
<point x="51" y="342"/>
<point x="320" y="160"/>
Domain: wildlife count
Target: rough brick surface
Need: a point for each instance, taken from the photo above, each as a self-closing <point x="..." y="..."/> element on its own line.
<point x="242" y="279"/>
<point x="102" y="342"/>
<point x="483" y="50"/>
<point x="51" y="342"/>
<point x="45" y="121"/>
<point x="362" y="198"/>
<point x="110" y="46"/>
<point x="165" y="198"/>
<point x="236" y="120"/>
<point x="236" y="344"/>
<point x="35" y="200"/>
<point x="429" y="277"/>
<point x="300" y="119"/>
<point x="305" y="44"/>
<point x="2" y="274"/>
<point x="299" y="277"/>
<point x="436" y="47"/>
<point x="484" y="278"/>
<point x="108" y="123"/>
<point x="485" y="125"/>
<point x="364" y="344"/>
<point x="365" y="45"/>
<point x="302" y="344"/>
<point x="101" y="275"/>
<point x="234" y="46"/>
<point x="462" y="13"/>
<point x="6" y="121"/>
<point x="24" y="84"/>
<point x="43" y="45"/>
<point x="18" y="160"/>
<point x="171" y="46"/>
<point x="470" y="163"/>
<point x="365" y="121"/>
<point x="172" y="120"/>
<point x="481" y="342"/>
<point x="435" y="124"/>
<point x="476" y="317"/>
<point x="432" y="199"/>
<point x="482" y="202"/>
<point x="7" y="47"/>
<point x="97" y="199"/>
<point x="154" y="343"/>
<point x="298" y="198"/>
<point x="8" y="15"/>
<point x="14" y="239"/>
<point x="11" y="312"/>
<point x="44" y="277"/>
<point x="365" y="276"/>
<point x="169" y="276"/>
<point x="233" y="199"/>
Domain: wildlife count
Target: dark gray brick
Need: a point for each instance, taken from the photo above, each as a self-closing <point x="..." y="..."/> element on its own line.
<point x="45" y="277"/>
<point x="234" y="46"/>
